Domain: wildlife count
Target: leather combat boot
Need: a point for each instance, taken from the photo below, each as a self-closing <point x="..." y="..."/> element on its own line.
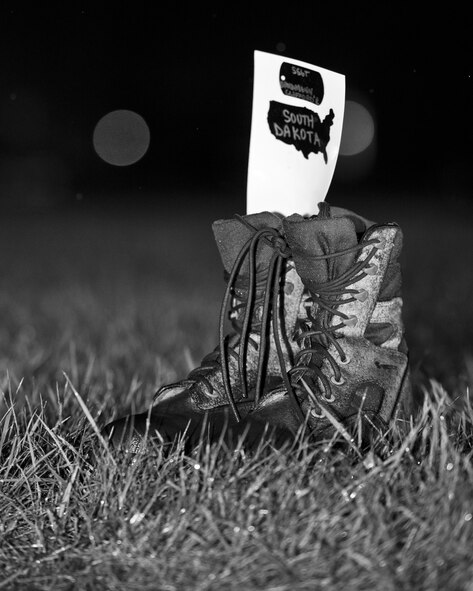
<point x="264" y="297"/>
<point x="351" y="374"/>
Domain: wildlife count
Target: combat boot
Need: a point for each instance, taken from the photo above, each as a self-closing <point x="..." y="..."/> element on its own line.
<point x="264" y="297"/>
<point x="351" y="374"/>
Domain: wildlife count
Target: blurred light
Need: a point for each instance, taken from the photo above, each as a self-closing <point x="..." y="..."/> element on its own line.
<point x="121" y="137"/>
<point x="281" y="46"/>
<point x="358" y="129"/>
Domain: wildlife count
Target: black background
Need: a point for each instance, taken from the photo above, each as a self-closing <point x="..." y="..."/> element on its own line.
<point x="188" y="70"/>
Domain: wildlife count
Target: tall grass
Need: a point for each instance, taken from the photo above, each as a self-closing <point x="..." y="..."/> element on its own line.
<point x="308" y="517"/>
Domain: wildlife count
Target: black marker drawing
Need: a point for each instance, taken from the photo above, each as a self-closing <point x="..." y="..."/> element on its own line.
<point x="301" y="82"/>
<point x="300" y="127"/>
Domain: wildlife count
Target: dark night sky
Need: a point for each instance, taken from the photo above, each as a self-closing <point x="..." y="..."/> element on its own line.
<point x="188" y="71"/>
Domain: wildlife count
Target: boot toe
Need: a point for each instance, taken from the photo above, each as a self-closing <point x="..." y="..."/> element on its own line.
<point x="126" y="432"/>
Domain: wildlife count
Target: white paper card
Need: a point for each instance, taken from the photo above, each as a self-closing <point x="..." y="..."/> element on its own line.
<point x="296" y="129"/>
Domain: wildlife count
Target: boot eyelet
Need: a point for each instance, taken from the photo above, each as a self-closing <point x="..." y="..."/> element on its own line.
<point x="381" y="243"/>
<point x="212" y="394"/>
<point x="345" y="361"/>
<point x="288" y="287"/>
<point x="371" y="270"/>
<point x="336" y="382"/>
<point x="350" y="321"/>
<point x="330" y="398"/>
<point x="362" y="295"/>
<point x="315" y="414"/>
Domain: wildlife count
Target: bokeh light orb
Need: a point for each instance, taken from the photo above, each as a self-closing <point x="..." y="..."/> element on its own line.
<point x="121" y="137"/>
<point x="358" y="129"/>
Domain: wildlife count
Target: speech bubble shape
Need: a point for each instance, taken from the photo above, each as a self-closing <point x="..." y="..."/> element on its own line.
<point x="301" y="82"/>
<point x="300" y="127"/>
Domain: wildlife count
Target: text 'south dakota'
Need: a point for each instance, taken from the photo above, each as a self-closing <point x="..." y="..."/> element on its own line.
<point x="300" y="127"/>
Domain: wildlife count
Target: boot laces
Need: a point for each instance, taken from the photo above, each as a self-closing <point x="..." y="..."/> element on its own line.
<point x="252" y="299"/>
<point x="315" y="334"/>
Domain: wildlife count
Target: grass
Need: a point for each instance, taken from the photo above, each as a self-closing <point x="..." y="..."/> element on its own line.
<point x="99" y="311"/>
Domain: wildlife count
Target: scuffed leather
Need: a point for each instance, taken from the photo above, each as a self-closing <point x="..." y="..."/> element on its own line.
<point x="375" y="380"/>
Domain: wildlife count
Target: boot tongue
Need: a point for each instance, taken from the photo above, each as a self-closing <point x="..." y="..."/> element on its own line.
<point x="232" y="235"/>
<point x="312" y="237"/>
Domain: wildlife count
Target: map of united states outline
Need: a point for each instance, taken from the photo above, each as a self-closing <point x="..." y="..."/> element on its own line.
<point x="300" y="127"/>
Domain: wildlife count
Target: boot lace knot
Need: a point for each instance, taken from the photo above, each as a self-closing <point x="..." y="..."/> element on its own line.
<point x="252" y="298"/>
